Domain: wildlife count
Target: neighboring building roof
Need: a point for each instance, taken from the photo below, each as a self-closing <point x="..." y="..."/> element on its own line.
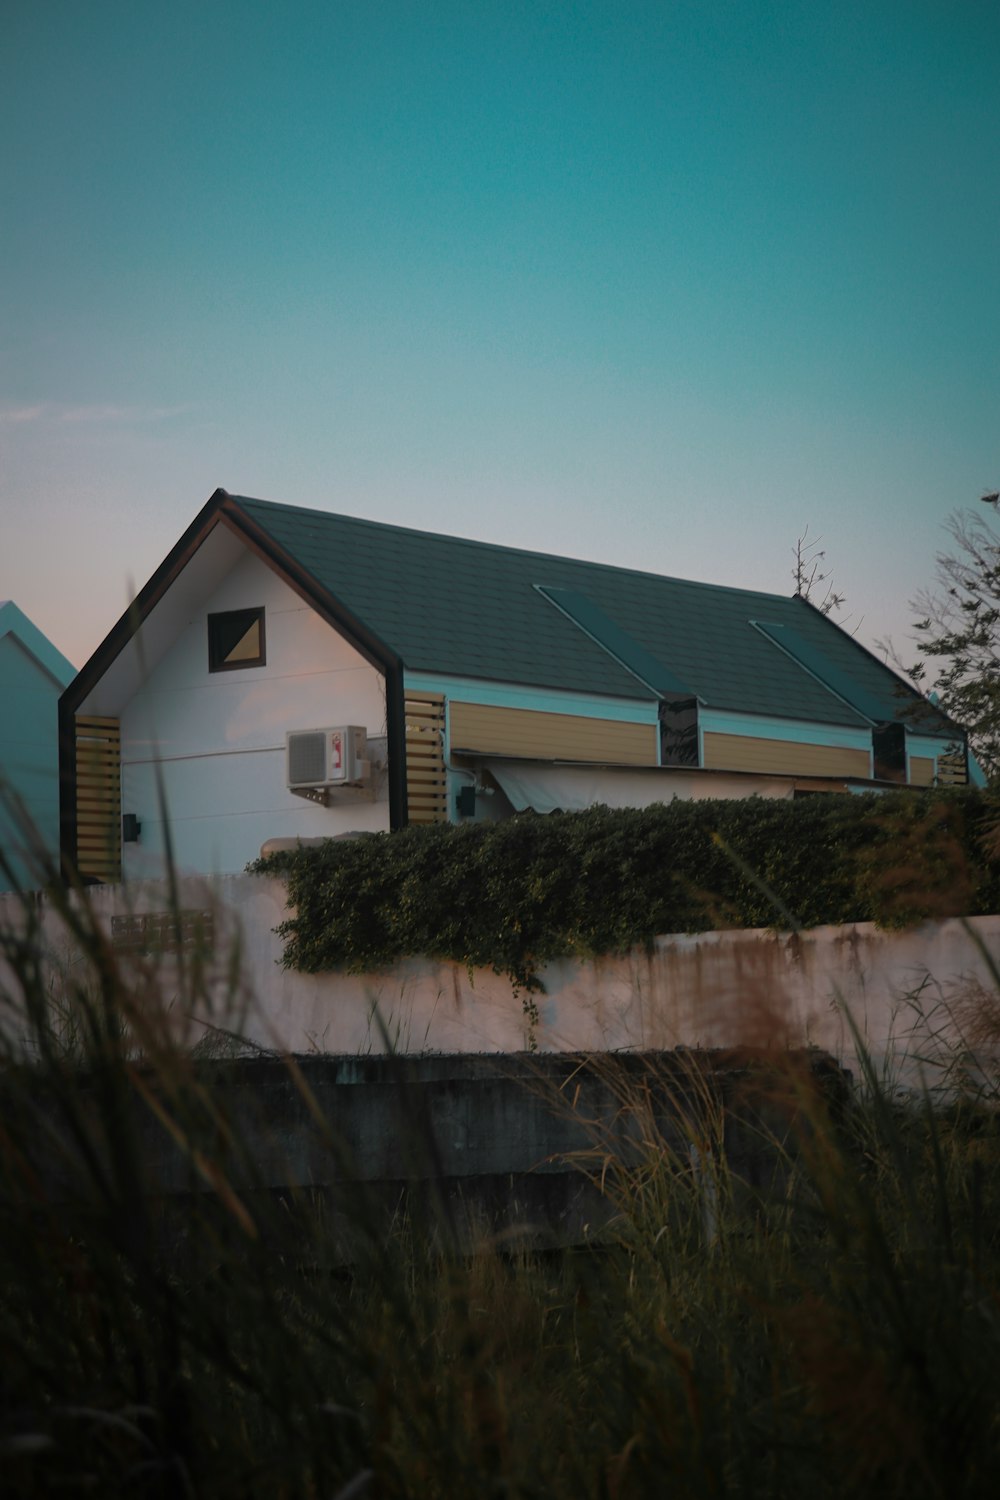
<point x="462" y="608"/>
<point x="14" y="622"/>
<point x="32" y="675"/>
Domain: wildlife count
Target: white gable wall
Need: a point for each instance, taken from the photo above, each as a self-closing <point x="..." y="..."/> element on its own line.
<point x="218" y="738"/>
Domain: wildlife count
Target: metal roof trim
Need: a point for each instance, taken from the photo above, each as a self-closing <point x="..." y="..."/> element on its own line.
<point x="810" y="659"/>
<point x="613" y="640"/>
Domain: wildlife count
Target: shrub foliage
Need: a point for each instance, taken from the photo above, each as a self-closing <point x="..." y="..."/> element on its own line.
<point x="513" y="895"/>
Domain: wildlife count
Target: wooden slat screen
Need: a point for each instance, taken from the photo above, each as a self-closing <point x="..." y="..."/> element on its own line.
<point x="482" y="729"/>
<point x="738" y="752"/>
<point x="426" y="781"/>
<point x="98" y="798"/>
<point x="921" y="770"/>
<point x="952" y="769"/>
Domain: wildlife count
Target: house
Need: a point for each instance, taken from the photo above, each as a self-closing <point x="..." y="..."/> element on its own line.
<point x="290" y="674"/>
<point x="32" y="676"/>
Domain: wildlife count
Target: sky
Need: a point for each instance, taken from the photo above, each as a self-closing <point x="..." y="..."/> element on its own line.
<point x="655" y="284"/>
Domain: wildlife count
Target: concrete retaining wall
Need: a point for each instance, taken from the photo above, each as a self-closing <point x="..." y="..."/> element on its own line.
<point x="524" y="1151"/>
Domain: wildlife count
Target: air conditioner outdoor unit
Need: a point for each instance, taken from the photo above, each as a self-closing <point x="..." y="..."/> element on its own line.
<point x="318" y="758"/>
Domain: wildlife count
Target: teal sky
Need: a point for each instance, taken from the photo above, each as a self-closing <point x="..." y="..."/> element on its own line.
<point x="655" y="284"/>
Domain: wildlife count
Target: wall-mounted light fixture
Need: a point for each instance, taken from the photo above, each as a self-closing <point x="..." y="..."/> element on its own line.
<point x="131" y="828"/>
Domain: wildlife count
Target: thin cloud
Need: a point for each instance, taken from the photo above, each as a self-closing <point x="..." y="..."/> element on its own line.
<point x="119" y="413"/>
<point x="14" y="416"/>
<point x="11" y="416"/>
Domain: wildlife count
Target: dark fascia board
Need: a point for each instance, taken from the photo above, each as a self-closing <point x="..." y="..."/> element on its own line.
<point x="107" y="652"/>
<point x="223" y="508"/>
<point x="147" y="598"/>
<point x="370" y="646"/>
<point x="66" y="732"/>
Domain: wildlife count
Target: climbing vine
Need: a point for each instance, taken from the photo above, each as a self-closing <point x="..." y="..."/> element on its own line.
<point x="513" y="895"/>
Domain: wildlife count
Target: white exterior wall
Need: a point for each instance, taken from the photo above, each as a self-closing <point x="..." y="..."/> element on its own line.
<point x="218" y="738"/>
<point x="914" y="997"/>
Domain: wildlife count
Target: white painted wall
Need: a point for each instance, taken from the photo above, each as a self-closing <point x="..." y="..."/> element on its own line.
<point x="911" y="995"/>
<point x="218" y="738"/>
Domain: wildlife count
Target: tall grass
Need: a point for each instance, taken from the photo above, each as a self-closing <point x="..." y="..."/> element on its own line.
<point x="827" y="1327"/>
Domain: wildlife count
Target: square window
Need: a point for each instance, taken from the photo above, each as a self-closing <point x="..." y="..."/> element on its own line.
<point x="235" y="640"/>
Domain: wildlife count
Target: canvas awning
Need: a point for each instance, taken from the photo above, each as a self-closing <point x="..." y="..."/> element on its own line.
<point x="546" y="788"/>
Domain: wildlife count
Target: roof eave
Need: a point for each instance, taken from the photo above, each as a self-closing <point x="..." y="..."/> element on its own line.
<point x="144" y="602"/>
<point x="375" y="650"/>
<point x="221" y="508"/>
<point x="326" y="604"/>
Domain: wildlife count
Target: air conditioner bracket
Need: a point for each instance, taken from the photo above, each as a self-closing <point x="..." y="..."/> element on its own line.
<point x="336" y="796"/>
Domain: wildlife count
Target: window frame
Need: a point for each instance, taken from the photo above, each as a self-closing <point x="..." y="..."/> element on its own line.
<point x="248" y="617"/>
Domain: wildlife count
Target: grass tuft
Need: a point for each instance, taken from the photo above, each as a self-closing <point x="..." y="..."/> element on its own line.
<point x="824" y="1324"/>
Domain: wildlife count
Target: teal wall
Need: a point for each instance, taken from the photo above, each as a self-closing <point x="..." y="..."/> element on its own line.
<point x="799" y="731"/>
<point x="512" y="695"/>
<point x="29" y="761"/>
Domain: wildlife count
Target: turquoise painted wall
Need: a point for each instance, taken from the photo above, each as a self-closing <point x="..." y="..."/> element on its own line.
<point x="29" y="761"/>
<point x="798" y="731"/>
<point x="508" y="695"/>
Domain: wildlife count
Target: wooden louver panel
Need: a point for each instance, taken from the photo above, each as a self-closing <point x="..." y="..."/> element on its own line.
<point x="739" y="752"/>
<point x="98" y="798"/>
<point x="952" y="769"/>
<point x="537" y="734"/>
<point x="921" y="770"/>
<point x="426" y="781"/>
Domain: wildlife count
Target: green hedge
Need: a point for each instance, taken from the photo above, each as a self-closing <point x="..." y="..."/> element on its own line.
<point x="513" y="895"/>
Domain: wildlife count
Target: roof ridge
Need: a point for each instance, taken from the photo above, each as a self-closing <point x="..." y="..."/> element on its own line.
<point x="559" y="557"/>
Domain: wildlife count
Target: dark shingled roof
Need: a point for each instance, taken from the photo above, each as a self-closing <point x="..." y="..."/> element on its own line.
<point x="472" y="609"/>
